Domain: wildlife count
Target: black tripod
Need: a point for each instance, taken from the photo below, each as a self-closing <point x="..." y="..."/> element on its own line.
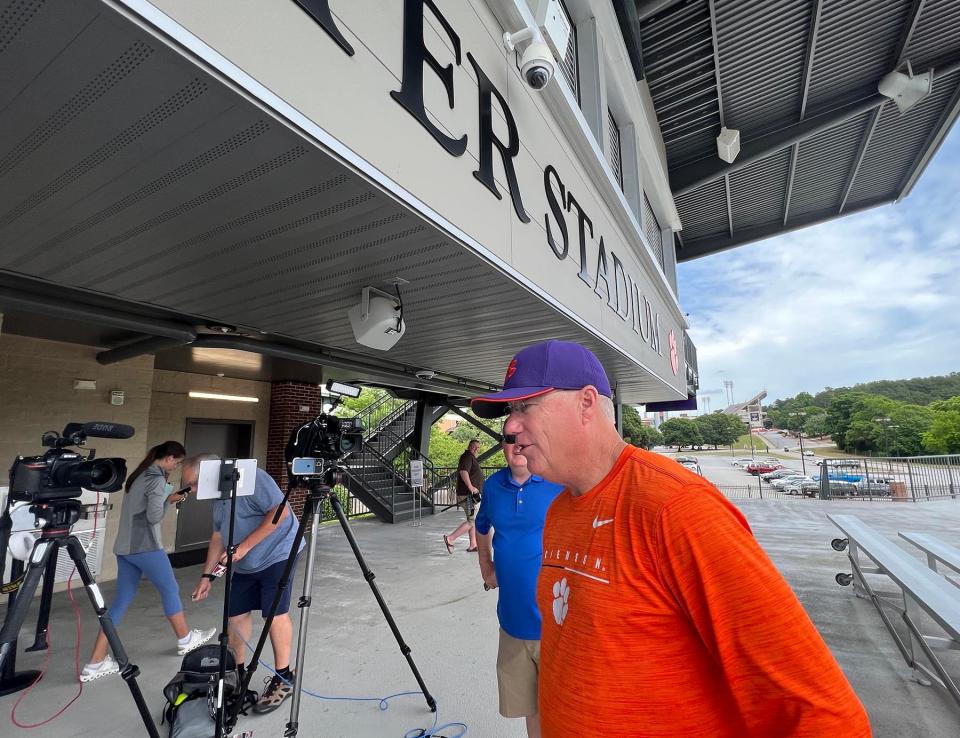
<point x="318" y="490"/>
<point x="59" y="516"/>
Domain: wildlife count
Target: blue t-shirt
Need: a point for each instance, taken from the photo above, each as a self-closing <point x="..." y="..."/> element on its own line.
<point x="251" y="509"/>
<point x="516" y="513"/>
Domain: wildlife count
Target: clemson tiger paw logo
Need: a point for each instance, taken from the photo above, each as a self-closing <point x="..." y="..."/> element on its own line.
<point x="561" y="600"/>
<point x="511" y="369"/>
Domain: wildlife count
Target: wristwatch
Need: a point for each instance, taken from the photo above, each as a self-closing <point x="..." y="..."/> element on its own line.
<point x="208" y="576"/>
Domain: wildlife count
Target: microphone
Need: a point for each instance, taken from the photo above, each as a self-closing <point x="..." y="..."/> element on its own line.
<point x="509" y="437"/>
<point x="101" y="429"/>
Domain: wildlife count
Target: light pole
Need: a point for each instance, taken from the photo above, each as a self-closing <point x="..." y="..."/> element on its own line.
<point x="803" y="459"/>
<point x="883" y="423"/>
<point x="896" y="445"/>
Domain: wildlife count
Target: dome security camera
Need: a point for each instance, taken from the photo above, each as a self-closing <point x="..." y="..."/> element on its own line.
<point x="537" y="65"/>
<point x="425" y="374"/>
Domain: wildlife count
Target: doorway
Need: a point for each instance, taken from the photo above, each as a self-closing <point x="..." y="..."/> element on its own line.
<point x="228" y="439"/>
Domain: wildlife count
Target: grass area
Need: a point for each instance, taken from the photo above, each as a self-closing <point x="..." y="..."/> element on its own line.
<point x="743" y="443"/>
<point x="832" y="452"/>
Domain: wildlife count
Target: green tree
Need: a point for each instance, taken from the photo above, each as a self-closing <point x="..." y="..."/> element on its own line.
<point x="943" y="437"/>
<point x="680" y="432"/>
<point x="719" y="428"/>
<point x="632" y="423"/>
<point x="647" y="438"/>
<point x="816" y="425"/>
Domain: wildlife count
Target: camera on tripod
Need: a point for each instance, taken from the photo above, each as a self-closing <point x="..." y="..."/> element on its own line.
<point x="62" y="474"/>
<point x="319" y="443"/>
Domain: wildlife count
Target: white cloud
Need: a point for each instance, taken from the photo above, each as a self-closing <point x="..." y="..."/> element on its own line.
<point x="872" y="296"/>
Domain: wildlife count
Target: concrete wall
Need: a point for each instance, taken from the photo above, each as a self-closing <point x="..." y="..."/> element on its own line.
<point x="171" y="407"/>
<point x="37" y="395"/>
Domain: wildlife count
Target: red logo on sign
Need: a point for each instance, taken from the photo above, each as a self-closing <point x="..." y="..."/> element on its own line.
<point x="674" y="357"/>
<point x="511" y="370"/>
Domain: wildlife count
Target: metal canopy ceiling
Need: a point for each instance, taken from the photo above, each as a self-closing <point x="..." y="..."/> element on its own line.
<point x="126" y="171"/>
<point x="798" y="78"/>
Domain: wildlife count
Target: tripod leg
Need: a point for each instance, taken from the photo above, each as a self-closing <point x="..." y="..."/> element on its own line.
<point x="313" y="508"/>
<point x="281" y="588"/>
<point x="370" y="576"/>
<point x="46" y="599"/>
<point x="128" y="671"/>
<point x="42" y="551"/>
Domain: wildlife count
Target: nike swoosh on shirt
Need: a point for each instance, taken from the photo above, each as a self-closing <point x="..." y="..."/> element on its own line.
<point x="597" y="522"/>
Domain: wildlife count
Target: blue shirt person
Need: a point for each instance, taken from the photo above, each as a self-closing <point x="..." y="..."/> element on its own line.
<point x="261" y="551"/>
<point x="511" y="516"/>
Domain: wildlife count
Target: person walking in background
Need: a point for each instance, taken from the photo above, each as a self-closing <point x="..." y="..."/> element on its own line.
<point x="139" y="552"/>
<point x="469" y="483"/>
<point x="511" y="518"/>
<point x="662" y="615"/>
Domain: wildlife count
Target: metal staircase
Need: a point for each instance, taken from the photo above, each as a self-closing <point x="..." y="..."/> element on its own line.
<point x="379" y="473"/>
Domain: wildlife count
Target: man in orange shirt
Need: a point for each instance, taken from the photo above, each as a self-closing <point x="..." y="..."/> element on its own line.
<point x="662" y="616"/>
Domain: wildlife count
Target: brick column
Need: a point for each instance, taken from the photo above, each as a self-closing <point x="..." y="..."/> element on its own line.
<point x="291" y="405"/>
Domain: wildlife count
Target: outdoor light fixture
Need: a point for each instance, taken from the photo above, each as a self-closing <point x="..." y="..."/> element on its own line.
<point x="218" y="396"/>
<point x="728" y="144"/>
<point x="377" y="320"/>
<point x="906" y="90"/>
<point x="342" y="388"/>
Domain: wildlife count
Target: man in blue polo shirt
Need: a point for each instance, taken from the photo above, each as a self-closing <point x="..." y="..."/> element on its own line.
<point x="511" y="517"/>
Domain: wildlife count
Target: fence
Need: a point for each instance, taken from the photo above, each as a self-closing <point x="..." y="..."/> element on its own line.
<point x="445" y="491"/>
<point x="870" y="479"/>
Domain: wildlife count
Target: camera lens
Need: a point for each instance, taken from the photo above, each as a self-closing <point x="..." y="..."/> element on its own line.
<point x="538" y="77"/>
<point x="99" y="475"/>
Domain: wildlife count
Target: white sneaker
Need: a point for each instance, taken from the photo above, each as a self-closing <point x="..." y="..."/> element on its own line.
<point x="95" y="671"/>
<point x="197" y="639"/>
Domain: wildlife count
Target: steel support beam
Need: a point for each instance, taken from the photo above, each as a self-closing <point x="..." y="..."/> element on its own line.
<point x="476" y="423"/>
<point x="325" y="357"/>
<point x="932" y="144"/>
<point x="690" y="177"/>
<point x="648" y="8"/>
<point x="113" y="318"/>
<point x="705" y="246"/>
<point x="909" y="27"/>
<point x="810" y="54"/>
<point x="861" y="153"/>
<point x="794" y="153"/>
<point x="139" y="348"/>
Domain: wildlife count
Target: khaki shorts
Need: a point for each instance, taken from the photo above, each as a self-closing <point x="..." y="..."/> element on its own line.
<point x="518" y="669"/>
<point x="469" y="507"/>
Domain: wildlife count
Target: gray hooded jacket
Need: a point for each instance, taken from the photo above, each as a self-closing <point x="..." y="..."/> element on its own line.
<point x="142" y="511"/>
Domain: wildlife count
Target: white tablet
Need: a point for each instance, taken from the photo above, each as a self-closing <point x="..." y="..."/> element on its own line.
<point x="211" y="470"/>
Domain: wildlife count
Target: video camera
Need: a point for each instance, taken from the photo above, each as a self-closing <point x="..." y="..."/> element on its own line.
<point x="325" y="439"/>
<point x="61" y="474"/>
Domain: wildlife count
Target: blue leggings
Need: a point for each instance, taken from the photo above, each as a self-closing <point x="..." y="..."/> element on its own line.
<point x="155" y="566"/>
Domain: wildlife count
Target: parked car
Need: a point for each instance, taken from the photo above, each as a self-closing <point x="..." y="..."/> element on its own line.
<point x="806" y="488"/>
<point x="874" y="486"/>
<point x="692" y="466"/>
<point x="839" y="487"/>
<point x="686" y="460"/>
<point x="809" y="453"/>
<point x="779" y="474"/>
<point x="742" y="462"/>
<point x="841" y="463"/>
<point x="762" y="467"/>
<point x="792" y="479"/>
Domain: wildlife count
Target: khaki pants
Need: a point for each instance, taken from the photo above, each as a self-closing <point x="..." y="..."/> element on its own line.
<point x="518" y="669"/>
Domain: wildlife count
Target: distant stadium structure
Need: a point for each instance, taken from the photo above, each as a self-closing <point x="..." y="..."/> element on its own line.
<point x="753" y="405"/>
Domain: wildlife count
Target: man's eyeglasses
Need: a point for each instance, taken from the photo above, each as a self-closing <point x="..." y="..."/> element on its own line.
<point x="520" y="407"/>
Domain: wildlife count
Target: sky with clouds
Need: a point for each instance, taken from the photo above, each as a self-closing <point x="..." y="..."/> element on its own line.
<point x="872" y="296"/>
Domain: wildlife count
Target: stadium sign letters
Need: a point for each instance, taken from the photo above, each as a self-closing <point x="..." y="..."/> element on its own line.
<point x="610" y="280"/>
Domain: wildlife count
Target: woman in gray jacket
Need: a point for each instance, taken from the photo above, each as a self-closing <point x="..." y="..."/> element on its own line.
<point x="139" y="552"/>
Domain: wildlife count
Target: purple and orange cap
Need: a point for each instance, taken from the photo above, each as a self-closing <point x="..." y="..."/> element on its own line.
<point x="542" y="368"/>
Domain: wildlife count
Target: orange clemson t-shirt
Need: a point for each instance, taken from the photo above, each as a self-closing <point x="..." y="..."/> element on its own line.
<point x="662" y="616"/>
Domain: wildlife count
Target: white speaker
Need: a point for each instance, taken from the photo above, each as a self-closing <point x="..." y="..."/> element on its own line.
<point x="377" y="321"/>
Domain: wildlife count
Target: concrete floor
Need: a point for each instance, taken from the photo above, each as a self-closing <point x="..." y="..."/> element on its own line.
<point x="450" y="624"/>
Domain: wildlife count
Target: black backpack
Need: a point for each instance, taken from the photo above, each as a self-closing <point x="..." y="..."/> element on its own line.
<point x="191" y="694"/>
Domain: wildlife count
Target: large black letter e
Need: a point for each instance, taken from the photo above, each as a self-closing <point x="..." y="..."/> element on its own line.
<point x="410" y="94"/>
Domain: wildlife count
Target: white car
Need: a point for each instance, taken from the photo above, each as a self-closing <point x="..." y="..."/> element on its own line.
<point x="785" y="481"/>
<point x="809" y="453"/>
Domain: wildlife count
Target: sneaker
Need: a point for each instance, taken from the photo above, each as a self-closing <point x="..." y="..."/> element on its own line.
<point x="197" y="639"/>
<point x="95" y="671"/>
<point x="273" y="695"/>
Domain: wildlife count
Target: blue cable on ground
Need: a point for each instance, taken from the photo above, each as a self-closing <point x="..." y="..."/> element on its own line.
<point x="384" y="704"/>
